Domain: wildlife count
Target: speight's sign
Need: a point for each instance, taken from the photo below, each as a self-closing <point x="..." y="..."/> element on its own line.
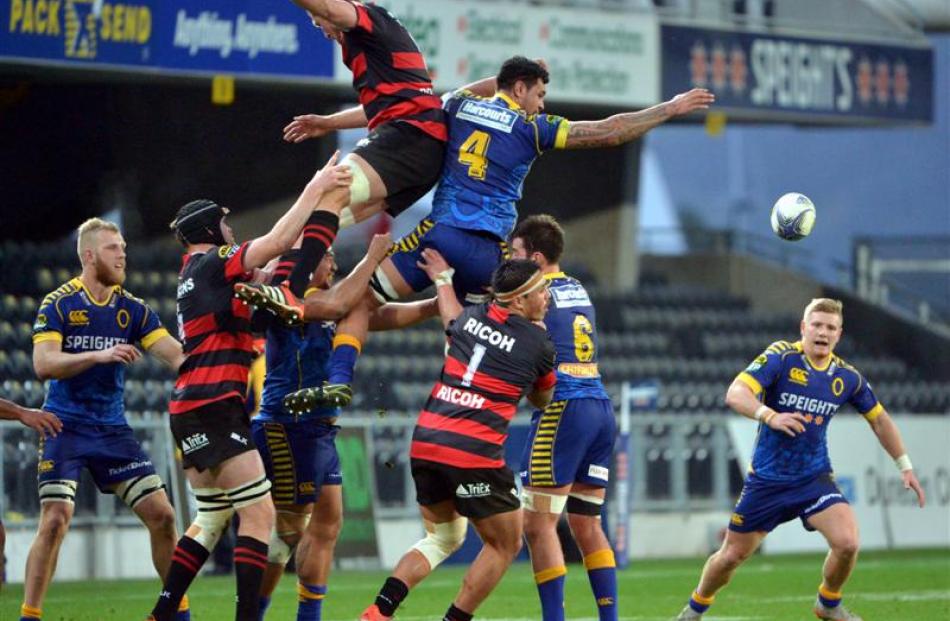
<point x="775" y="77"/>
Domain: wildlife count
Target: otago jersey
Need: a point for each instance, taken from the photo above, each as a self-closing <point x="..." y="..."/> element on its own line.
<point x="297" y="358"/>
<point x="80" y="323"/>
<point x="571" y="322"/>
<point x="494" y="359"/>
<point x="792" y="384"/>
<point x="492" y="144"/>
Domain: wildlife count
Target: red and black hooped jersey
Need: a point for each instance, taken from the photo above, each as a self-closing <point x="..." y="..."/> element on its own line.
<point x="390" y="74"/>
<point x="214" y="328"/>
<point x="494" y="360"/>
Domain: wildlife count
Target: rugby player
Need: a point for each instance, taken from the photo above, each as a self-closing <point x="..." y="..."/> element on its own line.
<point x="793" y="390"/>
<point x="497" y="354"/>
<point x="208" y="419"/>
<point x="85" y="334"/>
<point x="566" y="461"/>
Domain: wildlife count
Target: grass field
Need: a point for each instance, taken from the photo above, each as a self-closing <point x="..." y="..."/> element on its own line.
<point x="887" y="586"/>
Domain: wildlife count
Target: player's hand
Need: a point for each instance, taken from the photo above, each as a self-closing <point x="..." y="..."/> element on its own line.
<point x="379" y="247"/>
<point x="124" y="353"/>
<point x="690" y="101"/>
<point x="433" y="263"/>
<point x="911" y="482"/>
<point x="307" y="126"/>
<point x="789" y="423"/>
<point x="44" y="423"/>
<point x="332" y="175"/>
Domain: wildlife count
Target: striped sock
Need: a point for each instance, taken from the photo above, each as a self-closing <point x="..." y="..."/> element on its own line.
<point x="602" y="573"/>
<point x="551" y="591"/>
<point x="187" y="559"/>
<point x="827" y="597"/>
<point x="262" y="605"/>
<point x="346" y="350"/>
<point x="29" y="613"/>
<point x="318" y="235"/>
<point x="250" y="560"/>
<point x="699" y="603"/>
<point x="310" y="601"/>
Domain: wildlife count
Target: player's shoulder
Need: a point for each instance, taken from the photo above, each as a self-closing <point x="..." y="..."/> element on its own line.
<point x="126" y="296"/>
<point x="63" y="292"/>
<point x="783" y="349"/>
<point x="844" y="366"/>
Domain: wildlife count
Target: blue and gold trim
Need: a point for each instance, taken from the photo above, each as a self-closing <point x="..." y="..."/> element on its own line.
<point x="411" y="241"/>
<point x="541" y="467"/>
<point x="282" y="464"/>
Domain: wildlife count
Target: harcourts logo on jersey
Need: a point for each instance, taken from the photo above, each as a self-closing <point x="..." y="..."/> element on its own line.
<point x="488" y="115"/>
<point x="487" y="333"/>
<point x="810" y="405"/>
<point x="568" y="296"/>
<point x="473" y="490"/>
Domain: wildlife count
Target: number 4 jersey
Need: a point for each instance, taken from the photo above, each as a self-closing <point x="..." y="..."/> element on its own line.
<point x="492" y="145"/>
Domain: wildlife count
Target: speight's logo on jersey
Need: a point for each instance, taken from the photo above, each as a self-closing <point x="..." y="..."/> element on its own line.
<point x="790" y="402"/>
<point x="79" y="318"/>
<point x="487" y="115"/>
<point x="798" y="376"/>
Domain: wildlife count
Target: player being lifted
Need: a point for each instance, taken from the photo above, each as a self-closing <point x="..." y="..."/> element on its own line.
<point x="497" y="354"/>
<point x="85" y="335"/>
<point x="492" y="145"/>
<point x="566" y="460"/>
<point x="801" y="386"/>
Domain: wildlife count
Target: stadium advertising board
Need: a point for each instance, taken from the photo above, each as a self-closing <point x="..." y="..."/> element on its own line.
<point x="357" y="546"/>
<point x="767" y="76"/>
<point x="173" y="36"/>
<point x="888" y="515"/>
<point x="594" y="58"/>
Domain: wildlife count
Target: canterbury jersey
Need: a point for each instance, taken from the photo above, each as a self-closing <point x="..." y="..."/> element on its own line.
<point x="494" y="359"/>
<point x="492" y="145"/>
<point x="297" y="358"/>
<point x="571" y="322"/>
<point x="70" y="316"/>
<point x="389" y="72"/>
<point x="214" y="328"/>
<point x="790" y="383"/>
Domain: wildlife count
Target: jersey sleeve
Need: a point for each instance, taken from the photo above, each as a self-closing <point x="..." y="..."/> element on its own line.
<point x="233" y="257"/>
<point x="546" y="376"/>
<point x="764" y="370"/>
<point x="864" y="400"/>
<point x="364" y="18"/>
<point x="552" y="131"/>
<point x="150" y="328"/>
<point x="48" y="325"/>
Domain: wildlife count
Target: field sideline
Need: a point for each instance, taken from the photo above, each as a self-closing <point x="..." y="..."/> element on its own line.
<point x="907" y="585"/>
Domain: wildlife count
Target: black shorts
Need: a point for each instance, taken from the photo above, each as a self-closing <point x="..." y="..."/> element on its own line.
<point x="408" y="160"/>
<point x="476" y="492"/>
<point x="212" y="433"/>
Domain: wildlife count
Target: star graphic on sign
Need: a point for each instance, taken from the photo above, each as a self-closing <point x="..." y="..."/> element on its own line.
<point x="882" y="82"/>
<point x="738" y="70"/>
<point x="719" y="67"/>
<point x="863" y="80"/>
<point x="901" y="83"/>
<point x="697" y="64"/>
<point x="462" y="23"/>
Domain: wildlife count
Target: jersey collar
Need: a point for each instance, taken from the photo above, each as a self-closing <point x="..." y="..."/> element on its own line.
<point x="553" y="275"/>
<point x="77" y="281"/>
<point x="508" y="100"/>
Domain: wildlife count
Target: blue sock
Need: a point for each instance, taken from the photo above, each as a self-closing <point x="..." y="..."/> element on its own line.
<point x="264" y="603"/>
<point x="346" y="350"/>
<point x="699" y="603"/>
<point x="183" y="615"/>
<point x="551" y="591"/>
<point x="827" y="597"/>
<point x="310" y="601"/>
<point x="602" y="573"/>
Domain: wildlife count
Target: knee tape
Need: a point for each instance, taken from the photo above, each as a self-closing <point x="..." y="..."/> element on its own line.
<point x="133" y="491"/>
<point x="582" y="504"/>
<point x="58" y="491"/>
<point x="249" y="494"/>
<point x="442" y="541"/>
<point x="214" y="515"/>
<point x="382" y="288"/>
<point x="541" y="502"/>
<point x="359" y="189"/>
<point x="278" y="550"/>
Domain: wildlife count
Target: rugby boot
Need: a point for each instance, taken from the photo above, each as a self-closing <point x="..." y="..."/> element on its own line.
<point x="838" y="613"/>
<point x="373" y="614"/>
<point x="278" y="299"/>
<point x="688" y="613"/>
<point x="326" y="396"/>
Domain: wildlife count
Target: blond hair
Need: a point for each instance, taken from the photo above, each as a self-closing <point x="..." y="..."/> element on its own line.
<point x="824" y="305"/>
<point x="90" y="227"/>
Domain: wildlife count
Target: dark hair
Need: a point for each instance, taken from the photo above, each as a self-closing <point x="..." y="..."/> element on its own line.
<point x="541" y="233"/>
<point x="199" y="222"/>
<point x="520" y="68"/>
<point x="511" y="274"/>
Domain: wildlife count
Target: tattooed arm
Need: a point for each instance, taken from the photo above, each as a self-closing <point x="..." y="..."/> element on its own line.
<point x="622" y="128"/>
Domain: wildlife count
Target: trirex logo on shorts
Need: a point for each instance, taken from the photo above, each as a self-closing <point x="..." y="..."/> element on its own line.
<point x="473" y="490"/>
<point x="194" y="442"/>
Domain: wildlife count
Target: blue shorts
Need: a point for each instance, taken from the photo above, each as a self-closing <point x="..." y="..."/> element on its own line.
<point x="570" y="442"/>
<point x="473" y="254"/>
<point x="299" y="459"/>
<point x="763" y="505"/>
<point x="110" y="453"/>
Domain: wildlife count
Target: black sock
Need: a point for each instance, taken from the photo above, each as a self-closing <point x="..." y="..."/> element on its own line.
<point x="456" y="614"/>
<point x="250" y="560"/>
<point x="391" y="595"/>
<point x="285" y="265"/>
<point x="187" y="560"/>
<point x="318" y="236"/>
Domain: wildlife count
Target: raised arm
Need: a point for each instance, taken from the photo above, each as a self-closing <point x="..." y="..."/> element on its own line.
<point x="340" y="13"/>
<point x="890" y="438"/>
<point x="439" y="272"/>
<point x="282" y="236"/>
<point x="397" y="315"/>
<point x="306" y="126"/>
<point x="51" y="362"/>
<point x="334" y="303"/>
<point x="622" y="128"/>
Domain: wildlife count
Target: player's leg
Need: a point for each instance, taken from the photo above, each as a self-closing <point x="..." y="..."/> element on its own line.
<point x="289" y="525"/>
<point x="840" y="528"/>
<point x="542" y="511"/>
<point x="718" y="570"/>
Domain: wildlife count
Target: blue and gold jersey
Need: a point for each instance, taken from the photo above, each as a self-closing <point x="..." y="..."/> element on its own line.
<point x="492" y="144"/>
<point x="70" y="316"/>
<point x="296" y="358"/>
<point x="790" y="383"/>
<point x="571" y="323"/>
